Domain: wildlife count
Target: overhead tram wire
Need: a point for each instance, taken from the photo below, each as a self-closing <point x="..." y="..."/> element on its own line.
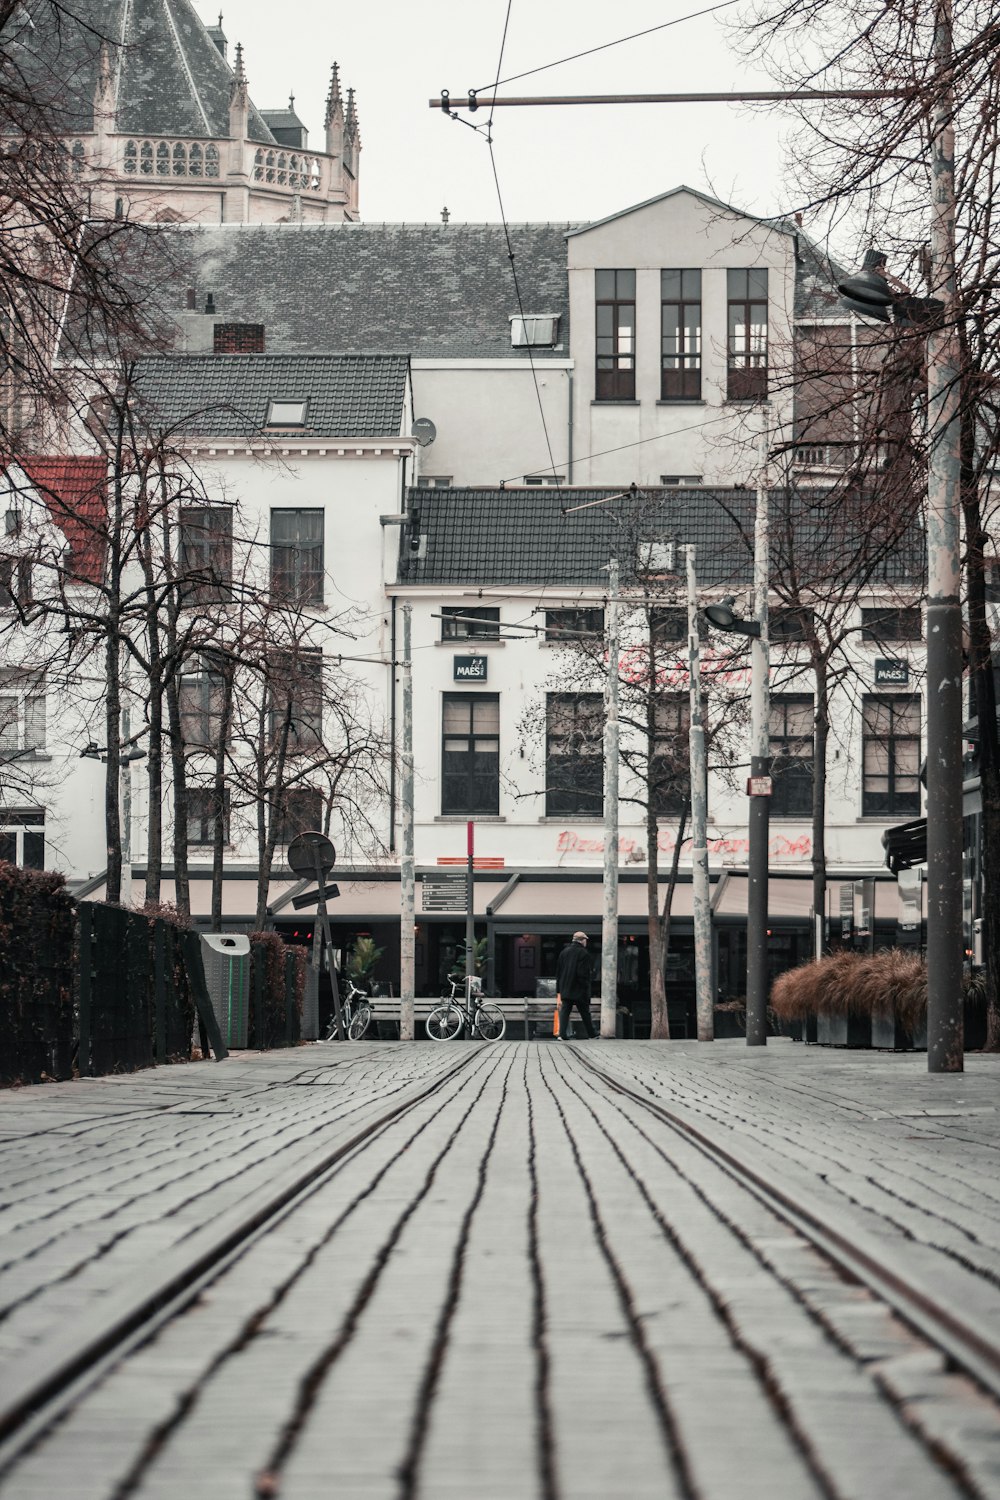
<point x="510" y="250"/>
<point x="604" y="46"/>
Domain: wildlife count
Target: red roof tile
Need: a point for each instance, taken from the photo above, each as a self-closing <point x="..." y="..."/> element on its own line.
<point x="75" y="490"/>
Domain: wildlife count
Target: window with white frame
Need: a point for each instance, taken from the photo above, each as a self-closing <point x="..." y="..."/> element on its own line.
<point x="540" y="481"/>
<point x="22" y="837"/>
<point x="200" y="694"/>
<point x="574" y="755"/>
<point x="22" y="712"/>
<point x="15" y="582"/>
<point x="202" y="814"/>
<point x="681" y="481"/>
<point x="479" y="622"/>
<point x="297" y="695"/>
<point x="434" y="481"/>
<point x="891" y="755"/>
<point x="534" y="331"/>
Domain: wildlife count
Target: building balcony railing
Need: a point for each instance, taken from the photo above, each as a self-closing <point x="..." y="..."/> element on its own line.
<point x="277" y="168"/>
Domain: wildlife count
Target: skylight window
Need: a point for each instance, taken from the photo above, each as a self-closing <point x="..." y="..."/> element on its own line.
<point x="287" y="413"/>
<point x="534" y="330"/>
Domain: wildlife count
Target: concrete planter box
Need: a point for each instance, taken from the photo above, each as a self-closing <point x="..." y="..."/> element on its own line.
<point x="890" y="1035"/>
<point x="809" y="1028"/>
<point x="844" y="1031"/>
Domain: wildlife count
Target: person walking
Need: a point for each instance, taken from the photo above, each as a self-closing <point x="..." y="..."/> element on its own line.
<point x="573" y="982"/>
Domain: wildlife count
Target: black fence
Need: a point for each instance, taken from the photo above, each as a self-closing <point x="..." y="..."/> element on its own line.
<point x="36" y="977"/>
<point x="90" y="989"/>
<point x="135" y="1001"/>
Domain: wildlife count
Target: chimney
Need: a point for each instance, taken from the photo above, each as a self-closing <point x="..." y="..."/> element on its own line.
<point x="238" y="338"/>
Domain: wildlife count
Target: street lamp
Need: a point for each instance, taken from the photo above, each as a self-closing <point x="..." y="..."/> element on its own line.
<point x="126" y="755"/>
<point x="872" y="294"/>
<point x="723" y="617"/>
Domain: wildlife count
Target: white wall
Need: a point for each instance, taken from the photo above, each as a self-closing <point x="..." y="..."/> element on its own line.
<point x="712" y="438"/>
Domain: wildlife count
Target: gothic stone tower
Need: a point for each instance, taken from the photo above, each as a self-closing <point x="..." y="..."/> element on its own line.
<point x="164" y="127"/>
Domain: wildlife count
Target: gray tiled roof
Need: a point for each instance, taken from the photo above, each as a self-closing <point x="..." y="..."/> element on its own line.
<point x="172" y="78"/>
<point x="535" y="537"/>
<point x="227" y="395"/>
<point x="522" y="536"/>
<point x="432" y="289"/>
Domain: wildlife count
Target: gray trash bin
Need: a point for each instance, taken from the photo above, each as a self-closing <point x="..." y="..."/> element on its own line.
<point x="226" y="957"/>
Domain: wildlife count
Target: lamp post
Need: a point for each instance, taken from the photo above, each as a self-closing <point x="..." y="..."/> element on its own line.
<point x="873" y="294"/>
<point x="723" y="617"/>
<point x="127" y="753"/>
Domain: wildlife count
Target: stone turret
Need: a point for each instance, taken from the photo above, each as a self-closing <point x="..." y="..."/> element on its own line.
<point x="333" y="120"/>
<point x="237" y="209"/>
<point x="352" y="151"/>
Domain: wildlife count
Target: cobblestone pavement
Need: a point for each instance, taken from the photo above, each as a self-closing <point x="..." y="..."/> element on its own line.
<point x="523" y="1285"/>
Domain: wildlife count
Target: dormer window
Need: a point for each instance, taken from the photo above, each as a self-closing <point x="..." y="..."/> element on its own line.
<point x="534" y="331"/>
<point x="287" y="413"/>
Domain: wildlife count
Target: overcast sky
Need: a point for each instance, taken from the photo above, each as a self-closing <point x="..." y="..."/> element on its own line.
<point x="553" y="164"/>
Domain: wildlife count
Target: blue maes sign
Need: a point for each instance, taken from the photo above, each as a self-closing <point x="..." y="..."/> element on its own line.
<point x="470" y="669"/>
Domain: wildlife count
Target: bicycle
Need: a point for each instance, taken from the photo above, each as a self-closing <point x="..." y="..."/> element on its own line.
<point x="470" y="1014"/>
<point x="356" y="1010"/>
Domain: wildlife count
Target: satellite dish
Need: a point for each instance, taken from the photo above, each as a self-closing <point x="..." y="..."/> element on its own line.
<point x="424" y="431"/>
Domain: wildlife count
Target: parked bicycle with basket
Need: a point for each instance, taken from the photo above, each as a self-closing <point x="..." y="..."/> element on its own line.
<point x="466" y="1012"/>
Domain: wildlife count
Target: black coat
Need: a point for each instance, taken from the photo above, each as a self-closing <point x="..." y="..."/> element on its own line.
<point x="574" y="975"/>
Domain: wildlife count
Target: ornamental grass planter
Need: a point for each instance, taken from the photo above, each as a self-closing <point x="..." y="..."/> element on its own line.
<point x="857" y="999"/>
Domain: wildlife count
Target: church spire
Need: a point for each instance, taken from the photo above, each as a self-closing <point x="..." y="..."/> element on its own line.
<point x="334" y="103"/>
<point x="105" y="92"/>
<point x="334" y="117"/>
<point x="351" y="119"/>
<point x="239" y="99"/>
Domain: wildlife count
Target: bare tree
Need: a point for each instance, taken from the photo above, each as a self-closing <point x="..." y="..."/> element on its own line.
<point x="866" y="173"/>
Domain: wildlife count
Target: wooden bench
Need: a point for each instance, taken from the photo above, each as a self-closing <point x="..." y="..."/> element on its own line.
<point x="526" y="1016"/>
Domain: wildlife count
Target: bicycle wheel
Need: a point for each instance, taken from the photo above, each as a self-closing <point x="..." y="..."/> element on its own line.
<point x="490" y="1023"/>
<point x="444" y="1023"/>
<point x="360" y="1021"/>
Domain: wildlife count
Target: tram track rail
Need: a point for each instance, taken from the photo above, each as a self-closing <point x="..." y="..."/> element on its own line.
<point x="37" y="1388"/>
<point x="968" y="1345"/>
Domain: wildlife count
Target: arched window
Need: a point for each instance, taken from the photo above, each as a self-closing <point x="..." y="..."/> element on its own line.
<point x="146" y="158"/>
<point x="195" y="161"/>
<point x="258" y="165"/>
<point x="131" y="157"/>
<point x="180" y="160"/>
<point x="211" y="161"/>
<point x="162" y="159"/>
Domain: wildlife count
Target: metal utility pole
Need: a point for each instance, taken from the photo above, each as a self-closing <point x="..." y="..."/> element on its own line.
<point x="470" y="908"/>
<point x="609" y="922"/>
<point x="945" y="1040"/>
<point x="699" y="820"/>
<point x="759" y="785"/>
<point x="407" y="880"/>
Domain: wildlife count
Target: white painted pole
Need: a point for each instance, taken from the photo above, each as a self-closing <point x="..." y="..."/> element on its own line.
<point x="701" y="895"/>
<point x="407" y="879"/>
<point x="609" y="923"/>
<point x="945" y="1039"/>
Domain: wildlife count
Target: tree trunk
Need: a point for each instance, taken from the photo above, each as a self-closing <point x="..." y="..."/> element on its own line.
<point x="219" y="799"/>
<point x="658" y="975"/>
<point x="659" y="1022"/>
<point x="820" y="740"/>
<point x="154" y="768"/>
<point x="178" y="765"/>
<point x="981" y="671"/>
<point x="112" y="779"/>
<point x="266" y="843"/>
